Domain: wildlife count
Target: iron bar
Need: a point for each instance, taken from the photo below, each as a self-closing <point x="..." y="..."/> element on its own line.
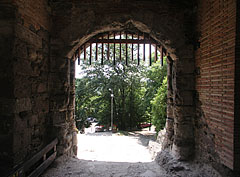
<point x="161" y="56"/>
<point x="102" y="53"/>
<point x="132" y="47"/>
<point x="84" y="51"/>
<point x="126" y="51"/>
<point x="96" y="52"/>
<point x="79" y="54"/>
<point x="120" y="48"/>
<point x="114" y="50"/>
<point x="138" y="57"/>
<point x="150" y="54"/>
<point x="108" y="51"/>
<point x="143" y="48"/>
<point x="156" y="53"/>
<point x="90" y="57"/>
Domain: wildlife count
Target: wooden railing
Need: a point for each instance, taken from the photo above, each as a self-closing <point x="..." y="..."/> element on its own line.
<point x="38" y="163"/>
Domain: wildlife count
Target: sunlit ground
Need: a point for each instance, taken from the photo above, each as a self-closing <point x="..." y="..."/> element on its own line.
<point x="111" y="148"/>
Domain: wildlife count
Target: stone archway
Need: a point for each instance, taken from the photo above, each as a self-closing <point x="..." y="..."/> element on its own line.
<point x="168" y="25"/>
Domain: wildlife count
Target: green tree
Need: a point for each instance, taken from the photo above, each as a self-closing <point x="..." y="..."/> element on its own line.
<point x="159" y="106"/>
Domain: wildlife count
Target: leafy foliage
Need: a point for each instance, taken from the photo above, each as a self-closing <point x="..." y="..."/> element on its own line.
<point x="159" y="106"/>
<point x="133" y="87"/>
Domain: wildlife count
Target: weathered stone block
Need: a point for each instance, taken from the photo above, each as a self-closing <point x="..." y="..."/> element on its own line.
<point x="170" y="111"/>
<point x="42" y="87"/>
<point x="41" y="103"/>
<point x="182" y="152"/>
<point x="22" y="86"/>
<point x="23" y="104"/>
<point x="184" y="98"/>
<point x="28" y="36"/>
<point x="183" y="132"/>
<point x="184" y="82"/>
<point x="20" y="49"/>
<point x="59" y="117"/>
<point x="183" y="113"/>
<point x="59" y="102"/>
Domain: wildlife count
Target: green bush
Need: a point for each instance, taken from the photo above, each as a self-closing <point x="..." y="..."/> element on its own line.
<point x="159" y="106"/>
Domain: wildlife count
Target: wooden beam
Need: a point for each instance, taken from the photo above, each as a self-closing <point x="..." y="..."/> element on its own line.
<point x="40" y="169"/>
<point x="36" y="158"/>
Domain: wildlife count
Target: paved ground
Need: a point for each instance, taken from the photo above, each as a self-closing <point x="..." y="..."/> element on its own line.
<point x="108" y="155"/>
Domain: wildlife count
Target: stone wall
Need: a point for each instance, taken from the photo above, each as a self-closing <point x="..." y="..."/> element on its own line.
<point x="26" y="87"/>
<point x="215" y="62"/>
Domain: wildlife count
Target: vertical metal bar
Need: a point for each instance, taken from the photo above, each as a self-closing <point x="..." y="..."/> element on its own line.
<point x="108" y="51"/>
<point x="132" y="47"/>
<point x="84" y="51"/>
<point x="144" y="48"/>
<point x="138" y="51"/>
<point x="155" y="52"/>
<point x="126" y="51"/>
<point x="102" y="52"/>
<point x="96" y="52"/>
<point x="90" y="57"/>
<point x="161" y="56"/>
<point x="79" y="54"/>
<point x="120" y="48"/>
<point x="114" y="50"/>
<point x="150" y="54"/>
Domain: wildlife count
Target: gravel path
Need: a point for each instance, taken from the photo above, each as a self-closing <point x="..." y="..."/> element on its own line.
<point x="107" y="155"/>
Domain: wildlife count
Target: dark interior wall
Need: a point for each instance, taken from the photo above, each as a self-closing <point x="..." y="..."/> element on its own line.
<point x="7" y="101"/>
<point x="237" y="93"/>
<point x="29" y="78"/>
<point x="215" y="62"/>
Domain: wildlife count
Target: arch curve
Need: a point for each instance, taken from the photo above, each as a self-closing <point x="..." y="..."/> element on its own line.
<point x="164" y="22"/>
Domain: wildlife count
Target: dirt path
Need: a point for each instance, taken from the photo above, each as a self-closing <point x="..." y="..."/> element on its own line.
<point x="107" y="155"/>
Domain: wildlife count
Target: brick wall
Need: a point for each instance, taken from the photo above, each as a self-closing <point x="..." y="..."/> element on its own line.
<point x="215" y="60"/>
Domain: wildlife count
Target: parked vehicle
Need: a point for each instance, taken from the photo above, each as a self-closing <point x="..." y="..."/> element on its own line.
<point x="145" y="125"/>
<point x="91" y="119"/>
<point x="99" y="128"/>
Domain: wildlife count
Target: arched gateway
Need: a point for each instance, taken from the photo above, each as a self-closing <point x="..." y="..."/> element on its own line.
<point x="39" y="38"/>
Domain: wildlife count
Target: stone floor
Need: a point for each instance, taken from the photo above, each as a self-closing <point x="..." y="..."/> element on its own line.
<point x="107" y="155"/>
